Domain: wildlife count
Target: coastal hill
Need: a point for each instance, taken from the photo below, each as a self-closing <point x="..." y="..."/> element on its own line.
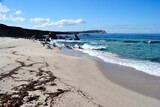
<point x="91" y="31"/>
<point x="12" y="31"/>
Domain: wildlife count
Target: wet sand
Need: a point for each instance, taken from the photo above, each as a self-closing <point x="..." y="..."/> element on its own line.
<point x="126" y="77"/>
<point x="132" y="79"/>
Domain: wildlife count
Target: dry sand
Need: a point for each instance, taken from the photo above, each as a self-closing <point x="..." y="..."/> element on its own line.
<point x="31" y="75"/>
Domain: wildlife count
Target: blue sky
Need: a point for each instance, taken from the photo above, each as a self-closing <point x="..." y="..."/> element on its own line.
<point x="114" y="16"/>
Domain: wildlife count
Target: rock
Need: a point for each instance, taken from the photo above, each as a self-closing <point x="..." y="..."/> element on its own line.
<point x="66" y="36"/>
<point x="47" y="39"/>
<point x="63" y="45"/>
<point x="76" y="37"/>
<point x="72" y="46"/>
<point x="54" y="45"/>
<point x="153" y="41"/>
<point x="18" y="32"/>
<point x="48" y="46"/>
<point x="52" y="35"/>
<point x="60" y="37"/>
<point x="77" y="46"/>
<point x="68" y="47"/>
<point x="131" y="41"/>
<point x="42" y="43"/>
<point x="33" y="38"/>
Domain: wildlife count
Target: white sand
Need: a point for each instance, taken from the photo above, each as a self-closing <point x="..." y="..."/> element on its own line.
<point x="81" y="79"/>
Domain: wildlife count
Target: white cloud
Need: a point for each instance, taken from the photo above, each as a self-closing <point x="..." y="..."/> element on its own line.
<point x="3" y="17"/>
<point x="3" y="8"/>
<point x="18" y="12"/>
<point x="61" y="23"/>
<point x="44" y="25"/>
<point x="11" y="18"/>
<point x="40" y="20"/>
<point x="18" y="19"/>
<point x="64" y="22"/>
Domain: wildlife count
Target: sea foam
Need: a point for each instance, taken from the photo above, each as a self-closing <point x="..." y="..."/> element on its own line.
<point x="151" y="68"/>
<point x="91" y="47"/>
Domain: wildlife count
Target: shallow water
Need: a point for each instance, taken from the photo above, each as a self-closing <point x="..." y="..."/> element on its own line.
<point x="131" y="50"/>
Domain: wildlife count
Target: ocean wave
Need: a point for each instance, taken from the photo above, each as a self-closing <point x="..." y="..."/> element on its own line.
<point x="151" y="68"/>
<point x="92" y="47"/>
<point x="62" y="40"/>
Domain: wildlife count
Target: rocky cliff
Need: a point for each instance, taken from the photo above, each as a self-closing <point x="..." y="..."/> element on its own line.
<point x="92" y="31"/>
<point x="11" y="31"/>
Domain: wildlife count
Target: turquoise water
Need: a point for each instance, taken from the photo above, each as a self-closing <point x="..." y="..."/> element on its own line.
<point x="133" y="50"/>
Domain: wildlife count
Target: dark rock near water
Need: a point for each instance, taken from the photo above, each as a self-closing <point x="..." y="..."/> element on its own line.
<point x="131" y="41"/>
<point x="68" y="47"/>
<point x="47" y="39"/>
<point x="52" y="35"/>
<point x="153" y="41"/>
<point x="76" y="37"/>
<point x="66" y="36"/>
<point x="60" y="37"/>
<point x="155" y="59"/>
<point x="18" y="32"/>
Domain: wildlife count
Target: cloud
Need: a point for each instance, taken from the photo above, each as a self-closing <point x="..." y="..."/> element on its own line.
<point x="3" y="17"/>
<point x="15" y="19"/>
<point x="64" y="22"/>
<point x="18" y="12"/>
<point x="61" y="23"/>
<point x="18" y="19"/>
<point x="3" y="8"/>
<point x="11" y="18"/>
<point x="40" y="20"/>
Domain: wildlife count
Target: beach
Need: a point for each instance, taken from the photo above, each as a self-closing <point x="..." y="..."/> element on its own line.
<point x="32" y="75"/>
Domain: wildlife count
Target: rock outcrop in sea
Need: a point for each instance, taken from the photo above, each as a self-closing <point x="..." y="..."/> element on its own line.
<point x="76" y="37"/>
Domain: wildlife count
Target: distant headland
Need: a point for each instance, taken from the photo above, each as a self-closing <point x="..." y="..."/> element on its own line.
<point x="18" y="32"/>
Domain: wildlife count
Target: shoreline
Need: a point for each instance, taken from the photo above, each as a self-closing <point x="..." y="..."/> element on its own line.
<point x="124" y="76"/>
<point x="132" y="79"/>
<point x="58" y="80"/>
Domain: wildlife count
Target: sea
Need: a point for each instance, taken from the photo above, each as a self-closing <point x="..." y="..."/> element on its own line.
<point x="140" y="51"/>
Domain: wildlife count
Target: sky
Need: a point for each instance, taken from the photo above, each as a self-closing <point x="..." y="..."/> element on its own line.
<point x="114" y="16"/>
